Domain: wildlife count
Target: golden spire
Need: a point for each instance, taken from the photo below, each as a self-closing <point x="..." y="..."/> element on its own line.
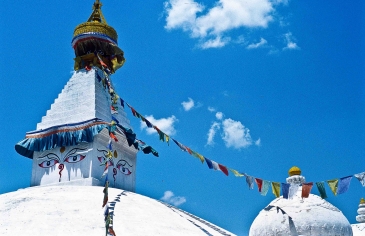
<point x="362" y="201"/>
<point x="294" y="171"/>
<point x="97" y="15"/>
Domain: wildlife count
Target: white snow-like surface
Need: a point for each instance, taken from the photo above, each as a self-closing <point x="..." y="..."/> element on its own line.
<point x="358" y="229"/>
<point x="310" y="216"/>
<point x="77" y="210"/>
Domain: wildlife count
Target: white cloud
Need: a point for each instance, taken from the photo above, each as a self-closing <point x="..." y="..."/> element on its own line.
<point x="257" y="45"/>
<point x="211" y="26"/>
<point x="219" y="115"/>
<point x="166" y="125"/>
<point x="218" y="42"/>
<point x="169" y="197"/>
<point x="235" y="134"/>
<point x="211" y="109"/>
<point x="258" y="142"/>
<point x="290" y="44"/>
<point x="188" y="105"/>
<point x="211" y="133"/>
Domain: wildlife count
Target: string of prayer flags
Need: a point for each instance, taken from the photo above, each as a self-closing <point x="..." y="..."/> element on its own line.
<point x="293" y="189"/>
<point x="306" y="189"/>
<point x="265" y="187"/>
<point x="285" y="189"/>
<point x="236" y="173"/>
<point x="259" y="183"/>
<point x="361" y="178"/>
<point x="321" y="189"/>
<point x="249" y="181"/>
<point x="344" y="184"/>
<point x="275" y="188"/>
<point x="333" y="184"/>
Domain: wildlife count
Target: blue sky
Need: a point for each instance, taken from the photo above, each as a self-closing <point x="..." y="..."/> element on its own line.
<point x="258" y="86"/>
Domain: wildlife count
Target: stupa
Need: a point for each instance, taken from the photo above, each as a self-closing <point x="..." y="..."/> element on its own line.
<point x="359" y="229"/>
<point x="83" y="135"/>
<point x="86" y="128"/>
<point x="299" y="215"/>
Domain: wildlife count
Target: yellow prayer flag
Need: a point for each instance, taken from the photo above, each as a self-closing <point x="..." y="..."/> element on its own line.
<point x="275" y="188"/>
<point x="236" y="173"/>
<point x="333" y="185"/>
<point x="195" y="154"/>
<point x="167" y="138"/>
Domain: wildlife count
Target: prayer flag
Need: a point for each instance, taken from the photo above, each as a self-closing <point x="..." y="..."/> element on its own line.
<point x="306" y="189"/>
<point x="293" y="189"/>
<point x="105" y="170"/>
<point x="259" y="183"/>
<point x="111" y="231"/>
<point x="167" y="138"/>
<point x="110" y="144"/>
<point x="98" y="77"/>
<point x="321" y="189"/>
<point x="236" y="173"/>
<point x="276" y="188"/>
<point x="361" y="178"/>
<point x="265" y="187"/>
<point x="182" y="147"/>
<point x="209" y="163"/>
<point x="133" y="112"/>
<point x="344" y="184"/>
<point x="106" y="211"/>
<point x="333" y="185"/>
<point x="285" y="188"/>
<point x="249" y="181"/>
<point x="115" y="119"/>
<point x="122" y="102"/>
<point x="197" y="155"/>
<point x="223" y="169"/>
<point x="215" y="165"/>
<point x="189" y="150"/>
<point x="113" y="137"/>
<point x="149" y="125"/>
<point x="162" y="135"/>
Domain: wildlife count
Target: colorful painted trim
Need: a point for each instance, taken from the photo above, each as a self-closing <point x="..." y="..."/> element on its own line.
<point x="58" y="136"/>
<point x="91" y="35"/>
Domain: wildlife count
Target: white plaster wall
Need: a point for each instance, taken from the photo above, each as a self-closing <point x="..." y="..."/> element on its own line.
<point x="124" y="177"/>
<point x="83" y="98"/>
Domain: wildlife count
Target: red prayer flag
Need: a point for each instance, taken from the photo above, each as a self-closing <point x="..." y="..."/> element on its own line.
<point x="306" y="189"/>
<point x="259" y="183"/>
<point x="113" y="137"/>
<point x="189" y="150"/>
<point x="223" y="169"/>
<point x="133" y="112"/>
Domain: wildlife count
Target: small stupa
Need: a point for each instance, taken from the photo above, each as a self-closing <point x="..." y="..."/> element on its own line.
<point x="86" y="131"/>
<point x="359" y="229"/>
<point x="298" y="215"/>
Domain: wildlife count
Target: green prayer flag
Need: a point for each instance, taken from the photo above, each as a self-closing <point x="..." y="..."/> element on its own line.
<point x="321" y="189"/>
<point x="333" y="185"/>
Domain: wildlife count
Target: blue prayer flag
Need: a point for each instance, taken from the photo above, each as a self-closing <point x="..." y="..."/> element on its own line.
<point x="209" y="163"/>
<point x="344" y="184"/>
<point x="285" y="189"/>
<point x="122" y="102"/>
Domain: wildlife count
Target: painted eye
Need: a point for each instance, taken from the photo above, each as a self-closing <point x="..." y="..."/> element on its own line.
<point x="124" y="170"/>
<point x="74" y="159"/>
<point x="48" y="163"/>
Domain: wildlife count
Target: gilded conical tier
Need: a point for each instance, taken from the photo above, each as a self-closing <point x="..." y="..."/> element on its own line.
<point x="95" y="40"/>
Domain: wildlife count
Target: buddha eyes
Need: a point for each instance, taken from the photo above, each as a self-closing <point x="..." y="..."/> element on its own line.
<point x="48" y="163"/>
<point x="75" y="158"/>
<point x="121" y="166"/>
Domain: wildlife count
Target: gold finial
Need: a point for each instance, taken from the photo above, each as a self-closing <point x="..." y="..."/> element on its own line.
<point x="97" y="15"/>
<point x="294" y="171"/>
<point x="362" y="201"/>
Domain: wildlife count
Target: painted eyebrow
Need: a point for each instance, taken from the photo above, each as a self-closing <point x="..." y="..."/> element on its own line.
<point x="125" y="162"/>
<point x="50" y="156"/>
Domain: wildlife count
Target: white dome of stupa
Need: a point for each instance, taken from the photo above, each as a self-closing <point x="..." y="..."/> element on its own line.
<point x="300" y="216"/>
